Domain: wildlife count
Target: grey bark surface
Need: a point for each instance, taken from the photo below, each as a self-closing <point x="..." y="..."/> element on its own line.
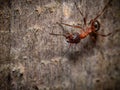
<point x="32" y="59"/>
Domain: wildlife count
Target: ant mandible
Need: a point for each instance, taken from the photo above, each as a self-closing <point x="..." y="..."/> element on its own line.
<point x="92" y="28"/>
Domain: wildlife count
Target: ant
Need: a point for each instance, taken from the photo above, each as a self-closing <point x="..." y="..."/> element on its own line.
<point x="90" y="29"/>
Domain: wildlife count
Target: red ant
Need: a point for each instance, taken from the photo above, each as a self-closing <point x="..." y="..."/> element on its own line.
<point x="91" y="29"/>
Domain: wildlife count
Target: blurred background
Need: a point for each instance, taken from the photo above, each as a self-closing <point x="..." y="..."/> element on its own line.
<point x="32" y="59"/>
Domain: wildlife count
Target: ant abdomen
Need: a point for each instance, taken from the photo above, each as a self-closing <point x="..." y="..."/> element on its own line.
<point x="75" y="38"/>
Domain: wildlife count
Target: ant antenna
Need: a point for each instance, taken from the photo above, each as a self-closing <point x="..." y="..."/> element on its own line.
<point x="103" y="10"/>
<point x="84" y="18"/>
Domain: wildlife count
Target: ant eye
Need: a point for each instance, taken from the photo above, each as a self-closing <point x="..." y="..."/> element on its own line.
<point x="96" y="25"/>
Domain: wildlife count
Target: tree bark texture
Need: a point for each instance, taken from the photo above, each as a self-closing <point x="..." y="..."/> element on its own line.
<point x="32" y="59"/>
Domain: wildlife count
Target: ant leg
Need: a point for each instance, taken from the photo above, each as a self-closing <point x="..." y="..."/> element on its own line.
<point x="67" y="50"/>
<point x="64" y="31"/>
<point x="56" y="34"/>
<point x="75" y="26"/>
<point x="78" y="9"/>
<point x="109" y="33"/>
<point x="84" y="18"/>
<point x="104" y="35"/>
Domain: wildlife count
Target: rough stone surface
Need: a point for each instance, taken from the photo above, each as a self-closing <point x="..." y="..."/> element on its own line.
<point x="31" y="59"/>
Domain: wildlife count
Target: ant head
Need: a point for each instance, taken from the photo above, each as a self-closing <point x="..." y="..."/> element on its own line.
<point x="95" y="24"/>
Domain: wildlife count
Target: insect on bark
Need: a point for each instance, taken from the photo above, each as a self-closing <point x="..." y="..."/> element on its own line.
<point x="91" y="29"/>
